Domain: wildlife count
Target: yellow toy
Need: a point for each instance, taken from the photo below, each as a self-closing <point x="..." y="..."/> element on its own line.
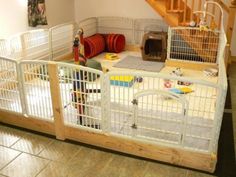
<point x="186" y="90"/>
<point x="125" y="81"/>
<point x="111" y="56"/>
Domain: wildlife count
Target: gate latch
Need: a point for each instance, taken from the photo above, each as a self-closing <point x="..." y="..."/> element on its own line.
<point x="134" y="126"/>
<point x="135" y="102"/>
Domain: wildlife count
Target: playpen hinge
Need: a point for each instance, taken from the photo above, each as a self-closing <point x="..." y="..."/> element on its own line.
<point x="135" y="102"/>
<point x="185" y="111"/>
<point x="134" y="126"/>
<point x="181" y="137"/>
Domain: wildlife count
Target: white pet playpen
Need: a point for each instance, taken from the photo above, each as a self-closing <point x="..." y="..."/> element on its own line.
<point x="140" y="117"/>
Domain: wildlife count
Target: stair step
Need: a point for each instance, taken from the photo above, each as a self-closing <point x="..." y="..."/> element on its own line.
<point x="175" y="11"/>
<point x="160" y="6"/>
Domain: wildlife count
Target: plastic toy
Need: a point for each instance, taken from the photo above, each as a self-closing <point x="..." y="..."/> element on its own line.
<point x="183" y="90"/>
<point x="111" y="56"/>
<point x="203" y="25"/>
<point x="167" y="83"/>
<point x="184" y="83"/>
<point x="125" y="81"/>
<point x="139" y="79"/>
<point x="177" y="72"/>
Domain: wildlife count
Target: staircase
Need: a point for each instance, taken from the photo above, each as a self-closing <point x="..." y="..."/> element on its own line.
<point x="174" y="12"/>
<point x="182" y="12"/>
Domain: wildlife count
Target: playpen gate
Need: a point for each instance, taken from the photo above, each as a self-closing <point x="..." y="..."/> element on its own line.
<point x="157" y="121"/>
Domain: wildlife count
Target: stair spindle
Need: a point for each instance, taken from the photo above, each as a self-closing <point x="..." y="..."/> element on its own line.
<point x="208" y="10"/>
<point x="172" y="5"/>
<point x="185" y="12"/>
<point x="199" y="9"/>
<point x="179" y="4"/>
<point x="193" y="5"/>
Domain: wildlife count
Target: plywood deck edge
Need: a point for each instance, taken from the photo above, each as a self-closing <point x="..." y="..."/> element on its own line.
<point x="176" y="156"/>
<point x="190" y="64"/>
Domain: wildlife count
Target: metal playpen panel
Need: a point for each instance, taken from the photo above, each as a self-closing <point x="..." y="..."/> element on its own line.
<point x="61" y="40"/>
<point x="10" y="93"/>
<point x="193" y="44"/>
<point x="79" y="88"/>
<point x="36" y="45"/>
<point x="89" y="26"/>
<point x="4" y="48"/>
<point x="117" y="25"/>
<point x="16" y="47"/>
<point x="36" y="89"/>
<point x="160" y="115"/>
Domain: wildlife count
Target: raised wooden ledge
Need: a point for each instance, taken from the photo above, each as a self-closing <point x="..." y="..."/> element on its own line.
<point x="30" y="123"/>
<point x="176" y="156"/>
<point x="190" y="64"/>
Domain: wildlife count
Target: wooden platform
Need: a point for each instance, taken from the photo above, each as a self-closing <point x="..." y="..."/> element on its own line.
<point x="176" y="156"/>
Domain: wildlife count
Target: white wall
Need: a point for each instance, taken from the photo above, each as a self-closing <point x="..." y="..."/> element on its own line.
<point x="123" y="8"/>
<point x="13" y="15"/>
<point x="59" y="11"/>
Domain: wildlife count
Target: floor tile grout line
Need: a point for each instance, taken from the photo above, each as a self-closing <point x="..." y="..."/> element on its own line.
<point x="18" y="140"/>
<point x="25" y="152"/>
<point x="48" y="145"/>
<point x="10" y="148"/>
<point x="36" y="156"/>
<point x="50" y="161"/>
<point x="10" y="161"/>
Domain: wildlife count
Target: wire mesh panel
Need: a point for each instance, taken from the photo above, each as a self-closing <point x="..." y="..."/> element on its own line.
<point x="161" y="118"/>
<point x="62" y="37"/>
<point x="221" y="95"/>
<point x="117" y="25"/>
<point x="4" y="48"/>
<point x="81" y="89"/>
<point x="157" y="120"/>
<point x="16" y="47"/>
<point x="89" y="26"/>
<point x="193" y="44"/>
<point x="36" y="88"/>
<point x="9" y="87"/>
<point x="36" y="45"/>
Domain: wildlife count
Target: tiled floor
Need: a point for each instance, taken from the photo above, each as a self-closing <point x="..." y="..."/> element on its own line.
<point x="24" y="154"/>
